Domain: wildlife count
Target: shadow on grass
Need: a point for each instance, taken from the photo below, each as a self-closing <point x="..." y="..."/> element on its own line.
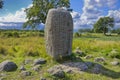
<point x="91" y="67"/>
<point x="103" y="71"/>
<point x="72" y="58"/>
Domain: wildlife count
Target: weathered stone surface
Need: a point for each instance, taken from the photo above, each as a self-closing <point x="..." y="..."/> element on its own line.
<point x="58" y="33"/>
<point x="25" y="73"/>
<point x="89" y="64"/>
<point x="115" y="63"/>
<point x="70" y="67"/>
<point x="39" y="61"/>
<point x="2" y="78"/>
<point x="22" y="68"/>
<point x="36" y="68"/>
<point x="79" y="52"/>
<point x="8" y="66"/>
<point x="43" y="79"/>
<point x="99" y="59"/>
<point x="57" y="72"/>
<point x="28" y="61"/>
<point x="88" y="57"/>
<point x="3" y="75"/>
<point x="80" y="66"/>
<point x="97" y="69"/>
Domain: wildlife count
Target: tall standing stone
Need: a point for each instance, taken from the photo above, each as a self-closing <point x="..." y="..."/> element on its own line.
<point x="59" y="33"/>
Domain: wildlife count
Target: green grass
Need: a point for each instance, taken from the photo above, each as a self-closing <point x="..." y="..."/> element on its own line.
<point x="24" y="47"/>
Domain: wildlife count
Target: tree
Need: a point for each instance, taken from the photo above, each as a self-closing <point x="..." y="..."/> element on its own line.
<point x="38" y="12"/>
<point x="1" y="4"/>
<point x="85" y="30"/>
<point x="103" y="24"/>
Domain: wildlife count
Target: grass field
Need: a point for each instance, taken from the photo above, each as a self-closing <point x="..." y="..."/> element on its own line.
<point x="31" y="45"/>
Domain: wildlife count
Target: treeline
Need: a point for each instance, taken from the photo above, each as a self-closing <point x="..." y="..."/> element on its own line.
<point x="86" y="31"/>
<point x="21" y="33"/>
<point x="116" y="31"/>
<point x="92" y="31"/>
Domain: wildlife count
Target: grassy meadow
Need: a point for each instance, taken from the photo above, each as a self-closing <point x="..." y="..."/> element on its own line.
<point x="20" y="45"/>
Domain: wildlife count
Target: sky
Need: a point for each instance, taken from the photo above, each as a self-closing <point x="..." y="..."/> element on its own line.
<point x="85" y="12"/>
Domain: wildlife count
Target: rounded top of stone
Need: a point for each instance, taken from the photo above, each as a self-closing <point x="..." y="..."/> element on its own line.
<point x="58" y="10"/>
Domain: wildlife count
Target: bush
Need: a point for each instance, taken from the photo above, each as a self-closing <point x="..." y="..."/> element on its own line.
<point x="114" y="54"/>
<point x="2" y="50"/>
<point x="7" y="34"/>
<point x="10" y="34"/>
<point x="15" y="34"/>
<point x="88" y="34"/>
<point x="76" y="34"/>
<point x="118" y="33"/>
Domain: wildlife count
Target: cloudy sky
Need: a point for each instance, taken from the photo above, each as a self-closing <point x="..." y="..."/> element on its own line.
<point x="85" y="12"/>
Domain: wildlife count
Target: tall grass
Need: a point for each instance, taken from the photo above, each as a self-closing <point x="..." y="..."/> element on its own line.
<point x="35" y="45"/>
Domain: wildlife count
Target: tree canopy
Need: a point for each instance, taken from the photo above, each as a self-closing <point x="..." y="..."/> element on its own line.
<point x="103" y="24"/>
<point x="38" y="12"/>
<point x="1" y="4"/>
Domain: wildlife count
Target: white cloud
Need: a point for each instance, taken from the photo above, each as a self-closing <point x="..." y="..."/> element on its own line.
<point x="11" y="25"/>
<point x="19" y="16"/>
<point x="78" y="22"/>
<point x="92" y="11"/>
<point x="8" y="24"/>
<point x="92" y="8"/>
<point x="15" y="20"/>
<point x="86" y="19"/>
<point x="75" y="14"/>
<point x="101" y="3"/>
<point x="116" y="15"/>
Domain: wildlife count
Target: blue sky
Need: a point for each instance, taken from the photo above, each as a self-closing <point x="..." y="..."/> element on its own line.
<point x="11" y="6"/>
<point x="85" y="12"/>
<point x="77" y="5"/>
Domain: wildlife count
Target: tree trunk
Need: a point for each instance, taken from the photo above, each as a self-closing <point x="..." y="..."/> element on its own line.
<point x="104" y="33"/>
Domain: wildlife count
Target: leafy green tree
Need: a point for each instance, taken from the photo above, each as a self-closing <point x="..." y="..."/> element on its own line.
<point x="1" y="4"/>
<point x="103" y="24"/>
<point x="118" y="31"/>
<point x="77" y="34"/>
<point x="38" y="12"/>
